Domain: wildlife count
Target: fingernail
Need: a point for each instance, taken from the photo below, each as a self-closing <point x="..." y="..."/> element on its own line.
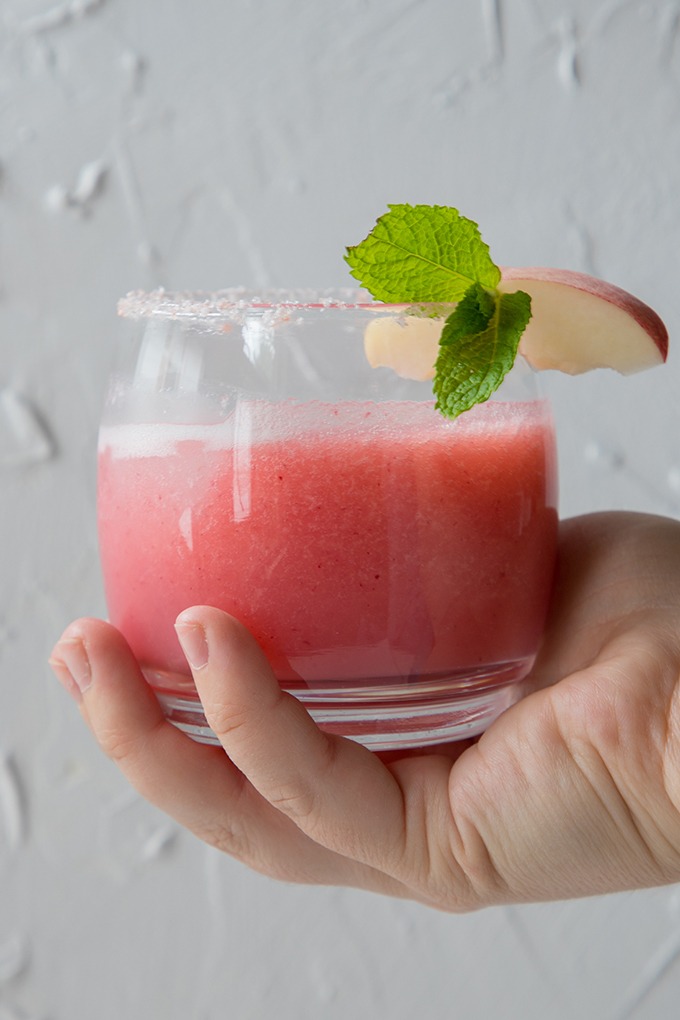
<point x="194" y="644"/>
<point x="70" y="662"/>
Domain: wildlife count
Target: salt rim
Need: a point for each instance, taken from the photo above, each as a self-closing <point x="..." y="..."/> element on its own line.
<point x="236" y="302"/>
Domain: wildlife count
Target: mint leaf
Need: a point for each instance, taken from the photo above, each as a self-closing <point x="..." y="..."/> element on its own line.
<point x="478" y="348"/>
<point x="430" y="257"/>
<point x="471" y="316"/>
<point x="422" y="253"/>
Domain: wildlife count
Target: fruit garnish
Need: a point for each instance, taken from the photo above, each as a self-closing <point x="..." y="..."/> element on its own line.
<point x="408" y="344"/>
<point x="434" y="260"/>
<point x="478" y="347"/>
<point x="580" y="323"/>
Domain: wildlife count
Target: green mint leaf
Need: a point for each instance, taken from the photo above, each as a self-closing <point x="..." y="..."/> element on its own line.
<point x="478" y="347"/>
<point x="471" y="316"/>
<point x="431" y="257"/>
<point x="422" y="253"/>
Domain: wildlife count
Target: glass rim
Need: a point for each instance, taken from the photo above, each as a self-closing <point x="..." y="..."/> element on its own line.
<point x="236" y="302"/>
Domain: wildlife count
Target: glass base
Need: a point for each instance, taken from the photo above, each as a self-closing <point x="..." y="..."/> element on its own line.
<point x="381" y="716"/>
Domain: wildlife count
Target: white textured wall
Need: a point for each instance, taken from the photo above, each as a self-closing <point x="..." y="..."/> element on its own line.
<point x="213" y="142"/>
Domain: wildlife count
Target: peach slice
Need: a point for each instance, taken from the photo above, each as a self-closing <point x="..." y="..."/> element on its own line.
<point x="408" y="344"/>
<point x="579" y="323"/>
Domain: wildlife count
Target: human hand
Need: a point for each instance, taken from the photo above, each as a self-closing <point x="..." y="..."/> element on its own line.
<point x="573" y="791"/>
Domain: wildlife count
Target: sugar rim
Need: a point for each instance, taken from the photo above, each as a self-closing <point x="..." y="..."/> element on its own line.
<point x="235" y="302"/>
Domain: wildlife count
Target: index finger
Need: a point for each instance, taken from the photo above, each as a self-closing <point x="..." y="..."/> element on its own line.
<point x="337" y="792"/>
<point x="195" y="784"/>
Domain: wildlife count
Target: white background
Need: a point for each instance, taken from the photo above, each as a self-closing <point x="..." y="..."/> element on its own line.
<point x="215" y="142"/>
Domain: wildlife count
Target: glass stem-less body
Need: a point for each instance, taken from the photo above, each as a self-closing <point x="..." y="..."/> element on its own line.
<point x="395" y="568"/>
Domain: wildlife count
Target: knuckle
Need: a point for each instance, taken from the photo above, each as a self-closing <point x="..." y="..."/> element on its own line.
<point x="302" y="799"/>
<point x="228" y="837"/>
<point x="225" y="721"/>
<point x="297" y="802"/>
<point x="117" y="745"/>
<point x="229" y="833"/>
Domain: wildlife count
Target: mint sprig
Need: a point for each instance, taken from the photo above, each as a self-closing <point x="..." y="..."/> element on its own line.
<point x="478" y="347"/>
<point x="420" y="254"/>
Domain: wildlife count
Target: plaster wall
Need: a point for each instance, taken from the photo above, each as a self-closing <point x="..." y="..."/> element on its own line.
<point x="204" y="144"/>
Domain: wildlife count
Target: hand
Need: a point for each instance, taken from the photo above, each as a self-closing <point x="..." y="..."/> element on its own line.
<point x="573" y="791"/>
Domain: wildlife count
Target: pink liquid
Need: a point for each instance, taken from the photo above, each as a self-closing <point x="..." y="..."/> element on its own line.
<point x="387" y="545"/>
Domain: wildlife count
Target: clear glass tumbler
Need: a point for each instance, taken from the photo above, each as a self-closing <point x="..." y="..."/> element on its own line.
<point x="395" y="566"/>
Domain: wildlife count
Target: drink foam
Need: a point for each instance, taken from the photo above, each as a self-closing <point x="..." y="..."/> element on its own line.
<point x="254" y="421"/>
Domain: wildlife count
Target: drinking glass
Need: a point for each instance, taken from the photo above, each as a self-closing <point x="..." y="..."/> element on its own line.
<point x="395" y="566"/>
